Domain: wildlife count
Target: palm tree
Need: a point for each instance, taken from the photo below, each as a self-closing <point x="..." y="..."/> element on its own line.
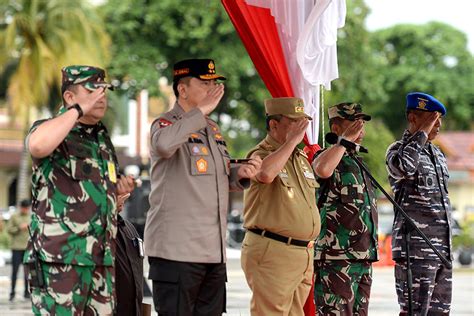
<point x="38" y="38"/>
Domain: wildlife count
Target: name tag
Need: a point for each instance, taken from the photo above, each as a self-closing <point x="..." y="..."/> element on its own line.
<point x="309" y="175"/>
<point x="112" y="171"/>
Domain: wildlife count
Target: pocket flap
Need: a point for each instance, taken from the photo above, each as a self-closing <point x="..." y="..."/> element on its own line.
<point x="284" y="179"/>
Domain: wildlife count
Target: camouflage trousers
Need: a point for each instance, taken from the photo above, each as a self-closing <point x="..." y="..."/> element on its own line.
<point x="74" y="290"/>
<point x="342" y="287"/>
<point x="431" y="291"/>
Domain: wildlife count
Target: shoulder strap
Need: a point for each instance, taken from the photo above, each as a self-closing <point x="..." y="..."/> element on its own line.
<point x="322" y="193"/>
<point x="130" y="230"/>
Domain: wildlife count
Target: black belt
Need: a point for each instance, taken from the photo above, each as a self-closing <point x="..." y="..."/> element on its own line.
<point x="286" y="240"/>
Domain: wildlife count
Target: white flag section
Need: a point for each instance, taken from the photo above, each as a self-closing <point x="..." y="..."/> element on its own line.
<point x="308" y="36"/>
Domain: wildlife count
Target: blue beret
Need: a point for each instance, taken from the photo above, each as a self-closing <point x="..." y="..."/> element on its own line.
<point x="424" y="102"/>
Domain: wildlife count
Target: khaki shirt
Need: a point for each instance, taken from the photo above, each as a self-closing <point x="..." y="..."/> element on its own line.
<point x="19" y="237"/>
<point x="190" y="182"/>
<point x="287" y="206"/>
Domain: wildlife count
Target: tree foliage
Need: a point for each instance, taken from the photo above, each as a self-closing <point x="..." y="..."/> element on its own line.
<point x="38" y="38"/>
<point x="431" y="58"/>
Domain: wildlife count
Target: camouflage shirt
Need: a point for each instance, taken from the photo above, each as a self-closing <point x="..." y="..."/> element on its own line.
<point x="418" y="174"/>
<point x="74" y="199"/>
<point x="348" y="215"/>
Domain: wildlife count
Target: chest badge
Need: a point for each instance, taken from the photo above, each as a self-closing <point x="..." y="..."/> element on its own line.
<point x="201" y="165"/>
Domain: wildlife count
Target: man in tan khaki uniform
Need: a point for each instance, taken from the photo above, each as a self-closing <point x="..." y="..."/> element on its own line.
<point x="280" y="215"/>
<point x="190" y="181"/>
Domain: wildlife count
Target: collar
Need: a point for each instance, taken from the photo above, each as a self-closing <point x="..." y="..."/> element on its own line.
<point x="407" y="136"/>
<point x="272" y="142"/>
<point x="177" y="109"/>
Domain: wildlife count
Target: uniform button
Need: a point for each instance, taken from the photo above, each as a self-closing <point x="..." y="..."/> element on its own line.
<point x="86" y="168"/>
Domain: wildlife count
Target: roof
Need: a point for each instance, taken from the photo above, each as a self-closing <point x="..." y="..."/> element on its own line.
<point x="10" y="153"/>
<point x="459" y="150"/>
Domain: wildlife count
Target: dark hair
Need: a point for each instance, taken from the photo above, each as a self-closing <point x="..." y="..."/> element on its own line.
<point x="25" y="203"/>
<point x="335" y="120"/>
<point x="72" y="88"/>
<point x="268" y="118"/>
<point x="184" y="80"/>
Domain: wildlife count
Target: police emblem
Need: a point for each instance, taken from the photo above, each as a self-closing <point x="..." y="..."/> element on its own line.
<point x="201" y="165"/>
<point x="212" y="67"/>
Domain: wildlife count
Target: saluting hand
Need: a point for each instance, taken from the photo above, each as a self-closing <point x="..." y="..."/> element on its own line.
<point x="250" y="169"/>
<point x="89" y="101"/>
<point x="353" y="131"/>
<point x="296" y="131"/>
<point x="430" y="121"/>
<point x="210" y="102"/>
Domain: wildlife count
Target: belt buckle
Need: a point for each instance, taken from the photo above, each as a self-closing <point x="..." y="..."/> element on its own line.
<point x="310" y="244"/>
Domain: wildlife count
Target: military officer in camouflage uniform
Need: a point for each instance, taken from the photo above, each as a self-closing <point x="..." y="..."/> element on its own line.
<point x="347" y="244"/>
<point x="418" y="174"/>
<point x="191" y="177"/>
<point x="280" y="215"/>
<point x="75" y="188"/>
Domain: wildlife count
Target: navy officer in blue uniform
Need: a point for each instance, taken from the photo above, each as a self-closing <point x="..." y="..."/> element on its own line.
<point x="418" y="175"/>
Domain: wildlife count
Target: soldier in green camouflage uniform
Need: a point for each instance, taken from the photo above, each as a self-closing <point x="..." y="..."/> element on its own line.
<point x="347" y="244"/>
<point x="75" y="190"/>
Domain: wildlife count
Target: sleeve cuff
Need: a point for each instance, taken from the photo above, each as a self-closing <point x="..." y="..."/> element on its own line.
<point x="420" y="137"/>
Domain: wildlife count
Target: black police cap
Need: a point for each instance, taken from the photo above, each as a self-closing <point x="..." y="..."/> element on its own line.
<point x="204" y="69"/>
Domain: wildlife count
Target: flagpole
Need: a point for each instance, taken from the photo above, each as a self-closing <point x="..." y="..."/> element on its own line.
<point x="321" y="105"/>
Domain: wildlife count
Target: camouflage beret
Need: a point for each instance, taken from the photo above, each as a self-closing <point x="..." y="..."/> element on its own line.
<point x="90" y="77"/>
<point x="290" y="107"/>
<point x="348" y="111"/>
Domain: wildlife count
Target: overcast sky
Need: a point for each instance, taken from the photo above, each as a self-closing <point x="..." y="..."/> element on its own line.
<point x="458" y="13"/>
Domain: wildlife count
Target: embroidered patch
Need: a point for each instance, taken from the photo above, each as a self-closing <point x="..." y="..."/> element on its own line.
<point x="201" y="165"/>
<point x="164" y="123"/>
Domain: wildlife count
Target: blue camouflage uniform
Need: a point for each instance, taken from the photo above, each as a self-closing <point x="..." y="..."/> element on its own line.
<point x="418" y="175"/>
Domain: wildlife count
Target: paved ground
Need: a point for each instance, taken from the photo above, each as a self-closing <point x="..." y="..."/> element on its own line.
<point x="383" y="301"/>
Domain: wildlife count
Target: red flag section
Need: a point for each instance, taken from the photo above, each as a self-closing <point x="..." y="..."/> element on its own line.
<point x="257" y="30"/>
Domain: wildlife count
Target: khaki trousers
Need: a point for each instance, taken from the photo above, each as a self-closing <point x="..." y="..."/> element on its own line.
<point x="279" y="275"/>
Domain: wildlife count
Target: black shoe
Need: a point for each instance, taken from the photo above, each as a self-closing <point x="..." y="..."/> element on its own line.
<point x="12" y="297"/>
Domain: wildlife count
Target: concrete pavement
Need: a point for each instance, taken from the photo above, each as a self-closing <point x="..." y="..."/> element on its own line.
<point x="383" y="299"/>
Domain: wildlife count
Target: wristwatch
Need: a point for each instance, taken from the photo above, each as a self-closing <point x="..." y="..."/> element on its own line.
<point x="78" y="108"/>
